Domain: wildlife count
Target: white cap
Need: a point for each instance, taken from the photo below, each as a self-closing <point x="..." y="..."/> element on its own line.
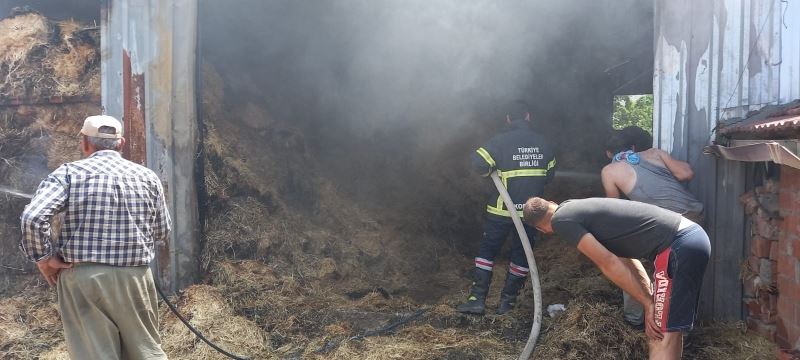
<point x="92" y="125"/>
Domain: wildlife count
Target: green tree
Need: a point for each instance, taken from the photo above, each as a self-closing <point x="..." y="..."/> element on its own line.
<point x="636" y="110"/>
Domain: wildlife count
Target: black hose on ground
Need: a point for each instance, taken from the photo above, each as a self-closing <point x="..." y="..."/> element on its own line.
<point x="534" y="271"/>
<point x="195" y="331"/>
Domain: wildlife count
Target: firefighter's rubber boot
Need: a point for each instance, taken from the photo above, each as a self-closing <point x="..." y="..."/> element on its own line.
<point x="508" y="298"/>
<point x="476" y="303"/>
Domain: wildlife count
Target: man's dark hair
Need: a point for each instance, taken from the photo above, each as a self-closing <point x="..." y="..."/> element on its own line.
<point x="629" y="138"/>
<point x="638" y="137"/>
<point x="534" y="210"/>
<point x="617" y="142"/>
<point x="517" y="109"/>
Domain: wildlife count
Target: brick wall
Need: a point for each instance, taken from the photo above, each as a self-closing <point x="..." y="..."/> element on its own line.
<point x="788" y="260"/>
<point x="771" y="275"/>
<point x="760" y="272"/>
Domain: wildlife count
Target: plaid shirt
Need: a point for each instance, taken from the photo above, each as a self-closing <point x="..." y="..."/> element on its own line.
<point x="114" y="212"/>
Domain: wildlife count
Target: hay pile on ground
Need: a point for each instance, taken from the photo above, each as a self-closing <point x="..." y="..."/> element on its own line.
<point x="40" y="58"/>
<point x="252" y="309"/>
<point x="29" y="324"/>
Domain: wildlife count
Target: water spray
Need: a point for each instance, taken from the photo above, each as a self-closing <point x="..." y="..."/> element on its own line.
<point x="17" y="193"/>
<point x="534" y="271"/>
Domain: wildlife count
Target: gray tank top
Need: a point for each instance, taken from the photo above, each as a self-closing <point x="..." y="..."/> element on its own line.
<point x="656" y="185"/>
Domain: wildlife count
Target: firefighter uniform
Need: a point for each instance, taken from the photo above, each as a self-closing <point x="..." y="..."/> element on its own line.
<point x="525" y="161"/>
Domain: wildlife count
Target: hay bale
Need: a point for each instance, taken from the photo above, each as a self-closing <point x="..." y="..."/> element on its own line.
<point x="19" y="35"/>
<point x="43" y="58"/>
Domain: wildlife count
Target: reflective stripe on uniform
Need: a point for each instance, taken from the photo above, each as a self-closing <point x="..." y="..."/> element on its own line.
<point x="485" y="155"/>
<point x="551" y="164"/>
<point x="493" y="210"/>
<point x="523" y="172"/>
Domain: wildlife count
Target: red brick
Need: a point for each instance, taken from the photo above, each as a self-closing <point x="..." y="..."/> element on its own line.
<point x="748" y="199"/>
<point x="765" y="227"/>
<point x="753" y="308"/>
<point x="791" y="335"/>
<point x="790" y="223"/>
<point x="773" y="250"/>
<point x="786" y="266"/>
<point x="797" y="315"/>
<point x="787" y="355"/>
<point x="796" y="249"/>
<point x="769" y="310"/>
<point x="790" y="178"/>
<point x="781" y="333"/>
<point x="784" y="283"/>
<point x="786" y="202"/>
<point x="784" y="246"/>
<point x="760" y="247"/>
<point x="766" y="330"/>
<point x="785" y="309"/>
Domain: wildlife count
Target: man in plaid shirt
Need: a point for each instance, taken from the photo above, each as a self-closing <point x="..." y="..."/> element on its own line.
<point x="114" y="212"/>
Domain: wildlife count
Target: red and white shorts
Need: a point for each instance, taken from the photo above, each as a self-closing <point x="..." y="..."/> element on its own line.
<point x="678" y="277"/>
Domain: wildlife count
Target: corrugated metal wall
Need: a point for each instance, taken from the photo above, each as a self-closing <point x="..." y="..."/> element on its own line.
<point x="148" y="81"/>
<point x="716" y="60"/>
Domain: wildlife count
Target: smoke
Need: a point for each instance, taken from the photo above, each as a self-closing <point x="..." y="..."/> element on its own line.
<point x="406" y="90"/>
<point x="382" y="64"/>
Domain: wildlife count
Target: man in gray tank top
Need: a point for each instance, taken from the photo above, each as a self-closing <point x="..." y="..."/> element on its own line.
<point x="650" y="176"/>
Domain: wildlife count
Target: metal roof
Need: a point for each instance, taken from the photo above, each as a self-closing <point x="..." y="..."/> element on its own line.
<point x="777" y="121"/>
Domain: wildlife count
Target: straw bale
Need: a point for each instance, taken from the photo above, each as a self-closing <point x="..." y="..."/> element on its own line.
<point x="43" y="58"/>
<point x="19" y="35"/>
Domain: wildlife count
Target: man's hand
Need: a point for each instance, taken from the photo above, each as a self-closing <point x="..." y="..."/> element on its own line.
<point x="50" y="268"/>
<point x="650" y="327"/>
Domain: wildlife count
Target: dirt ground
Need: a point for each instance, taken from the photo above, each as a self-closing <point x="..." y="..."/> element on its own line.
<point x="299" y="263"/>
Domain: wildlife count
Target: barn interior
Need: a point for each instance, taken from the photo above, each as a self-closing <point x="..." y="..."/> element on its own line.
<point x="339" y="211"/>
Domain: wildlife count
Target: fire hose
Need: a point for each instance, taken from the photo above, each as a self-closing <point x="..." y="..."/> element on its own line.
<point x="534" y="271"/>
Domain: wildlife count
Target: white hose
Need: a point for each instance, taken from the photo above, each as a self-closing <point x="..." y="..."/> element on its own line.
<point x="534" y="271"/>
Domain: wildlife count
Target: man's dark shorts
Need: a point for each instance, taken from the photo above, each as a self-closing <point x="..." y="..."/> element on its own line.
<point x="678" y="277"/>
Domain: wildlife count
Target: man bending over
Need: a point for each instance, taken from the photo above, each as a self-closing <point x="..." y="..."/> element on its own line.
<point x="614" y="232"/>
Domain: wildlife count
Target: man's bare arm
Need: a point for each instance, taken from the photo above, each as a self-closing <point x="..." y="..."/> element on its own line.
<point x="616" y="270"/>
<point x="610" y="187"/>
<point x="638" y="270"/>
<point x="681" y="170"/>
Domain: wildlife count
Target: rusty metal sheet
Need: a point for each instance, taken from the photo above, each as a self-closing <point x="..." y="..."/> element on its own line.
<point x="134" y="119"/>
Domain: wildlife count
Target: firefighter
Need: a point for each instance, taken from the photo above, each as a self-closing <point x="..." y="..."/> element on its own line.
<point x="525" y="162"/>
